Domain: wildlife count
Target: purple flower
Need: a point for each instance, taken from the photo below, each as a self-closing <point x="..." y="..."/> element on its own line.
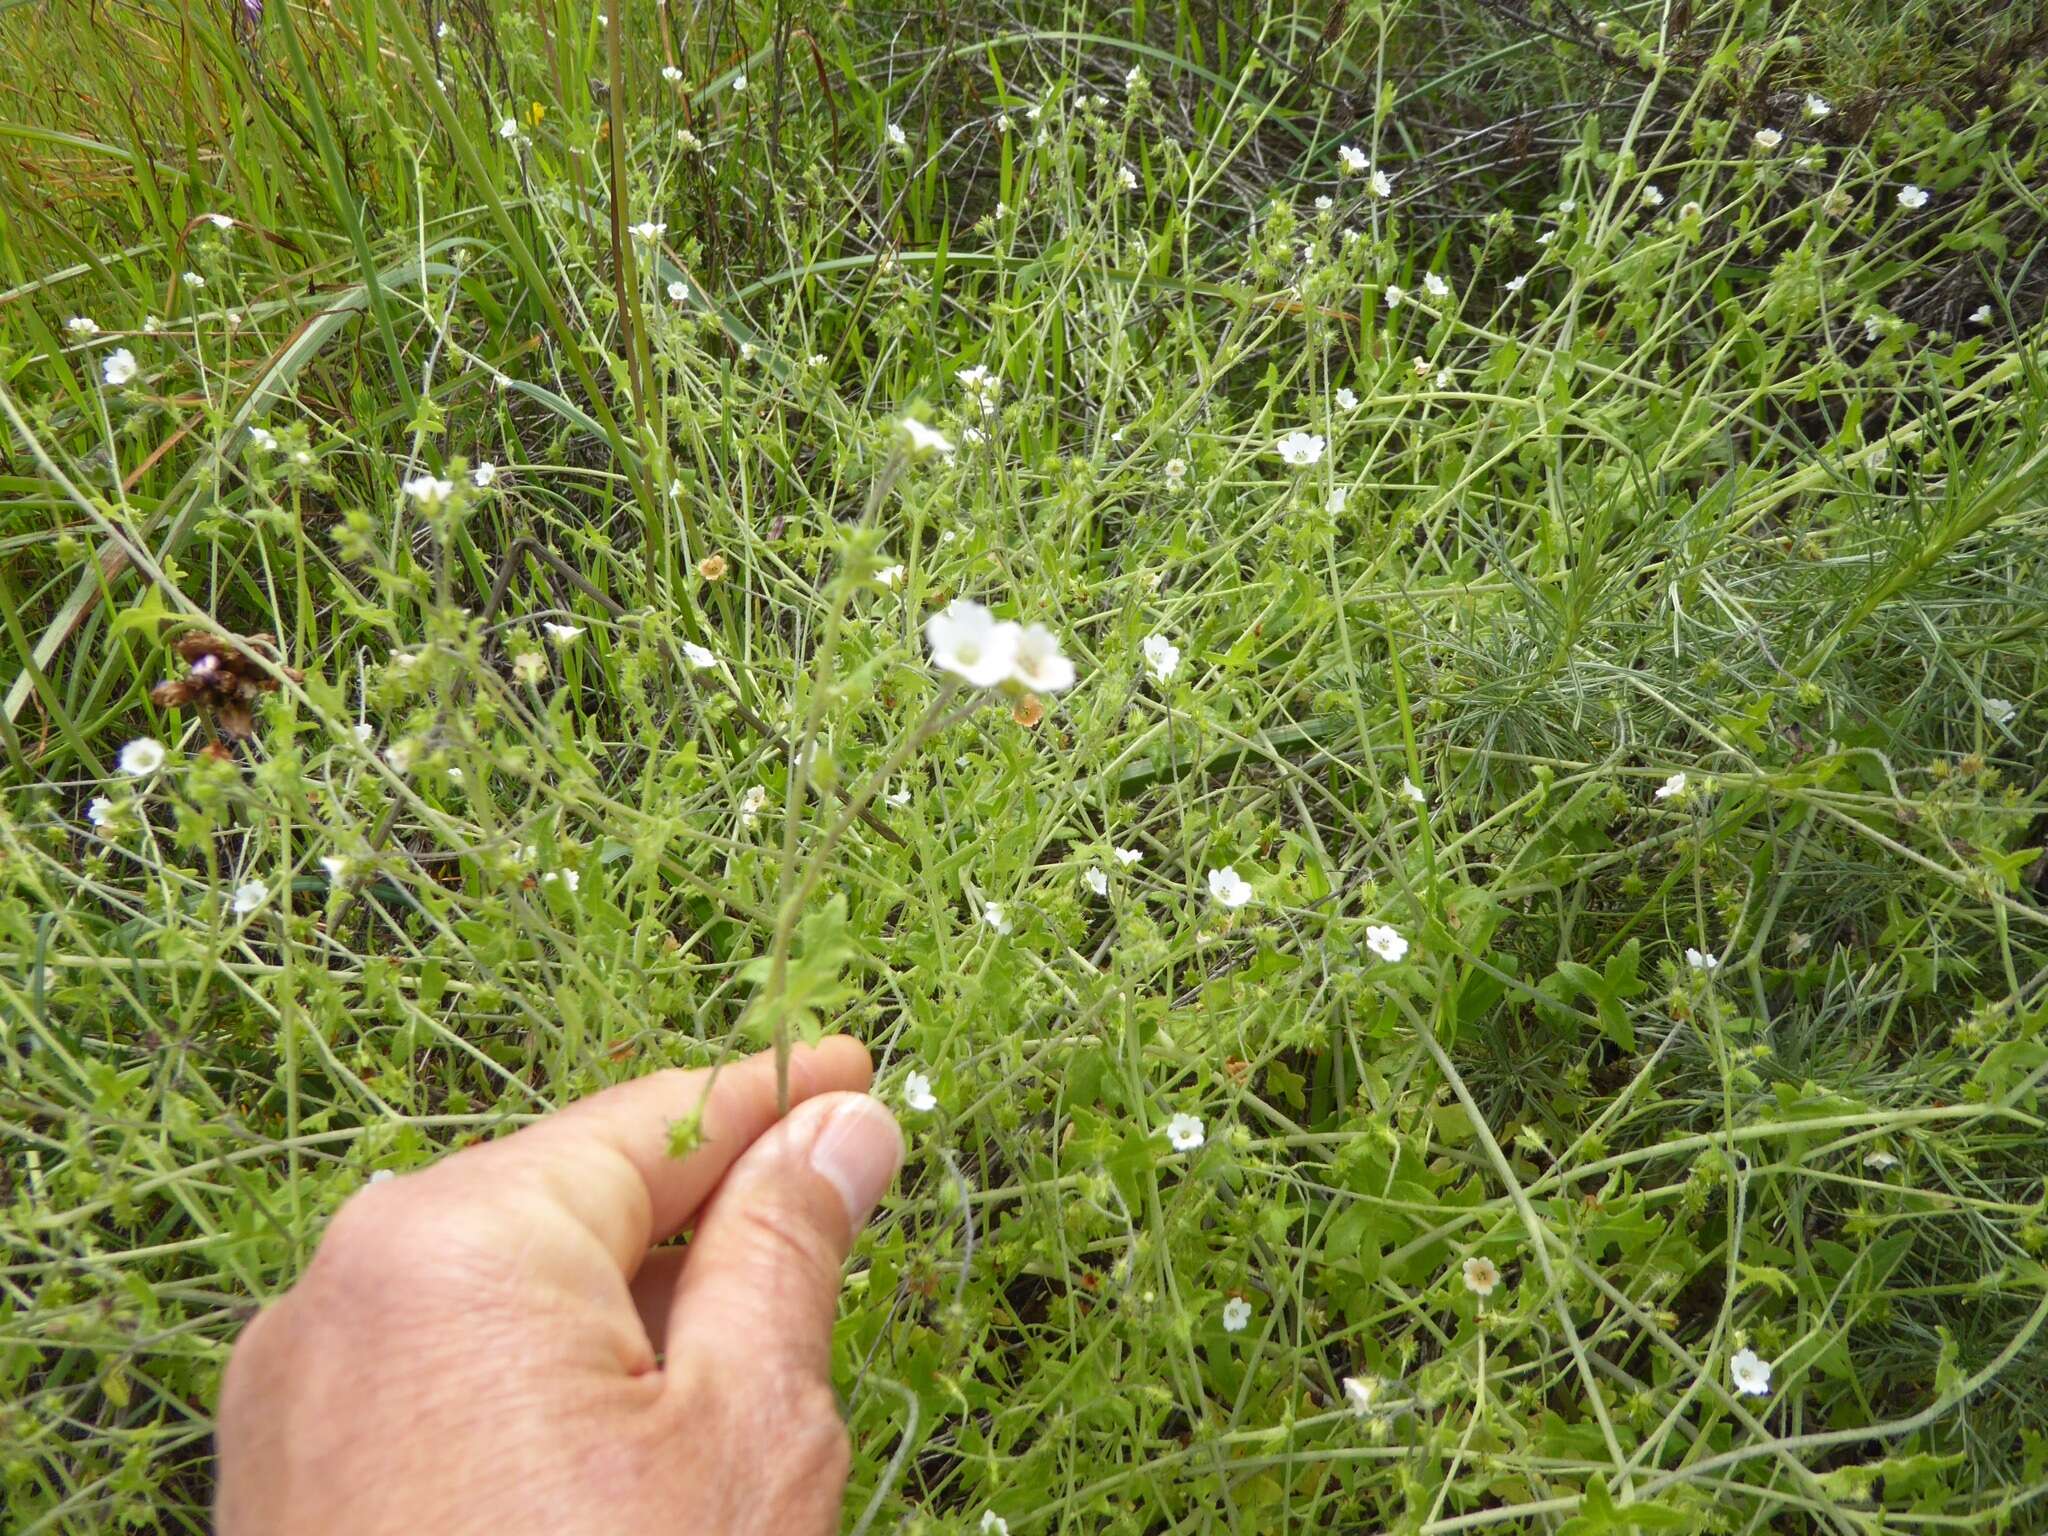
<point x="253" y="10"/>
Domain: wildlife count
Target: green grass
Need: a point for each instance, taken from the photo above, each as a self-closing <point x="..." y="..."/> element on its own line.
<point x="1742" y="492"/>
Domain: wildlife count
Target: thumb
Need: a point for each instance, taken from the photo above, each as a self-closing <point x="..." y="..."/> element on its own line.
<point x="760" y="1287"/>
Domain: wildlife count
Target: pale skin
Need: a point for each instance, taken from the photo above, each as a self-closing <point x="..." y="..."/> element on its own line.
<point x="497" y="1344"/>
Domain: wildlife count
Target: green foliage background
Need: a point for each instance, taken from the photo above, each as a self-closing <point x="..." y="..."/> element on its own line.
<point x="1744" y="482"/>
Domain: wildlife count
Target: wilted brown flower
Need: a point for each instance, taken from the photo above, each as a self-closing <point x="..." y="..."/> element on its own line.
<point x="1027" y="711"/>
<point x="223" y="682"/>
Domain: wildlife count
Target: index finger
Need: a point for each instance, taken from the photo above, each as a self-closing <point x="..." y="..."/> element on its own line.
<point x="605" y="1159"/>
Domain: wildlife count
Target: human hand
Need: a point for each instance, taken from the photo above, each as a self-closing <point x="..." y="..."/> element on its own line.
<point x="489" y="1345"/>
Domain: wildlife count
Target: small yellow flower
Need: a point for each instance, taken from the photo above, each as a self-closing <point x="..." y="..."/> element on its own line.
<point x="536" y="112"/>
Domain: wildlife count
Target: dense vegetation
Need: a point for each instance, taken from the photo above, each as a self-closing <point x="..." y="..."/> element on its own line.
<point x="1552" y="499"/>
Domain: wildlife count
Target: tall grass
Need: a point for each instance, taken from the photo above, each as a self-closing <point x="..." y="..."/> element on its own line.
<point x="1714" y="469"/>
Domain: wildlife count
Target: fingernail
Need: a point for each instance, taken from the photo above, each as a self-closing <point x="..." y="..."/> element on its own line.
<point x="858" y="1151"/>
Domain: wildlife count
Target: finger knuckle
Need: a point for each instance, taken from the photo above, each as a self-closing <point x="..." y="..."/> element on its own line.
<point x="787" y="1248"/>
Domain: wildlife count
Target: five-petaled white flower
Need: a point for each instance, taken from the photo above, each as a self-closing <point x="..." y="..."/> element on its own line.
<point x="1410" y="790"/>
<point x="924" y="439"/>
<point x="1751" y="1373"/>
<point x="1040" y="664"/>
<point x="1382" y="184"/>
<point x="972" y="643"/>
<point x="119" y="367"/>
<point x="1126" y="178"/>
<point x="264" y="438"/>
<point x="1360" y="1392"/>
<point x="1981" y="315"/>
<point x="679" y="292"/>
<point x="1184" y="1132"/>
<point x="739" y="82"/>
<point x="1817" y="106"/>
<point x="2001" y="711"/>
<point x="482" y="476"/>
<point x="917" y="1093"/>
<point x="648" y="229"/>
<point x="142" y="757"/>
<point x="698" y="656"/>
<point x="1236" y="1313"/>
<point x="101" y="813"/>
<point x="562" y="634"/>
<point x="1481" y="1275"/>
<point x="1128" y="856"/>
<point x="82" y="325"/>
<point x="1230" y="889"/>
<point x="993" y="914"/>
<point x="1700" y="960"/>
<point x="1096" y="881"/>
<point x="1435" y="285"/>
<point x="508" y="130"/>
<point x="993" y="1524"/>
<point x="1388" y="943"/>
<point x="1300" y="448"/>
<point x="1162" y="656"/>
<point x="1352" y="159"/>
<point x="1767" y="138"/>
<point x="1175" y="472"/>
<point x="671" y="74"/>
<point x="337" y="866"/>
<point x="428" y="490"/>
<point x="1912" y="198"/>
<point x="1672" y="788"/>
<point x="250" y="895"/>
<point x="751" y="803"/>
<point x="1515" y="283"/>
<point x="1878" y="1162"/>
<point x="1347" y="400"/>
<point x="1325" y="203"/>
<point x="889" y="576"/>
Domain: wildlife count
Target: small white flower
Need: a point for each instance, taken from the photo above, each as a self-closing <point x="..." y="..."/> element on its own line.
<point x="1981" y="315"/>
<point x="1003" y="123"/>
<point x="264" y="438"/>
<point x="698" y="656"/>
<point x="1040" y="665"/>
<point x="1325" y="204"/>
<point x="1300" y="448"/>
<point x="101" y="813"/>
<point x="1134" y="77"/>
<point x="648" y="229"/>
<point x="142" y="757"/>
<point x="1096" y="881"/>
<point x="1653" y="195"/>
<point x="1767" y="138"/>
<point x="528" y="667"/>
<point x="1443" y="378"/>
<point x="561" y="634"/>
<point x="508" y="130"/>
<point x="570" y="879"/>
<point x="1394" y="295"/>
<point x="1436" y="286"/>
<point x="679" y="293"/>
<point x="688" y="141"/>
<point x="1162" y="657"/>
<point x="889" y="576"/>
<point x="428" y="490"/>
<point x="1347" y="400"/>
<point x="249" y="896"/>
<point x="1128" y="856"/>
<point x="993" y="1524"/>
<point x="1751" y="1373"/>
<point x="1352" y="159"/>
<point x="1672" y="788"/>
<point x="1335" y="501"/>
<point x="1359" y="1394"/>
<point x="399" y="753"/>
<point x="1388" y="943"/>
<point x="221" y="220"/>
<point x="1236" y="1313"/>
<point x="337" y="867"/>
<point x="993" y="914"/>
<point x="751" y="803"/>
<point x="971" y="643"/>
<point x="1878" y="1162"/>
<point x="364" y="732"/>
<point x="1421" y="367"/>
<point x="899" y="797"/>
<point x="897" y="140"/>
<point x="82" y="325"/>
<point x="1569" y="205"/>
<point x="119" y="367"/>
<point x="1700" y="960"/>
<point x="151" y="325"/>
<point x="1481" y="1275"/>
<point x="739" y="82"/>
<point x="924" y="439"/>
<point x="1410" y="790"/>
<point x="1175" y="471"/>
<point x="918" y="1095"/>
<point x="1912" y="198"/>
<point x="1817" y="106"/>
<point x="2001" y="711"/>
<point x="1230" y="889"/>
<point x="1126" y="178"/>
<point x="1874" y="328"/>
<point x="815" y="360"/>
<point x="1546" y="237"/>
<point x="482" y="476"/>
<point x="1184" y="1132"/>
<point x="1382" y="184"/>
